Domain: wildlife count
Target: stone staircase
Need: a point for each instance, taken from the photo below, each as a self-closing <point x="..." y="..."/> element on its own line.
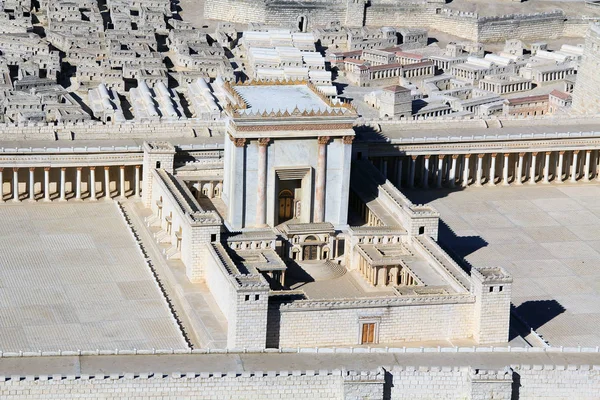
<point x="162" y="238"/>
<point x="323" y="270"/>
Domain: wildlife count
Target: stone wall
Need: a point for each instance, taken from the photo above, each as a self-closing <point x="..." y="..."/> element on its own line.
<point x="539" y="26"/>
<point x="586" y="94"/>
<point x="339" y="322"/>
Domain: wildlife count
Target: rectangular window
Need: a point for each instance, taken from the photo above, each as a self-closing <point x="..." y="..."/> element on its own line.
<point x="368" y="333"/>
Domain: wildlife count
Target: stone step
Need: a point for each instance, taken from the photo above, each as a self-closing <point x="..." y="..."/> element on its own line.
<point x="172" y="253"/>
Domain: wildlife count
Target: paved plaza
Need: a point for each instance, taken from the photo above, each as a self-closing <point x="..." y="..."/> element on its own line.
<point x="547" y="237"/>
<point x="72" y="277"/>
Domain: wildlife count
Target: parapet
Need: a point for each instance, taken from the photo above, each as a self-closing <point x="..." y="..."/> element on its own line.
<point x="490" y="275"/>
<point x="159" y="147"/>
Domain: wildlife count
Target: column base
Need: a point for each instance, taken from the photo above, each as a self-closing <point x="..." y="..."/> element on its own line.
<point x="78" y="199"/>
<point x="546" y="182"/>
<point x="30" y="200"/>
<point x="15" y="201"/>
<point x="532" y="182"/>
<point x="107" y="198"/>
<point x="505" y="183"/>
<point x="62" y="200"/>
<point x="92" y="199"/>
<point x="45" y="200"/>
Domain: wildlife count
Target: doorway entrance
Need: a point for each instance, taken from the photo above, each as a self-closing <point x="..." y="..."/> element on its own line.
<point x="368" y="333"/>
<point x="302" y="23"/>
<point x="310" y="250"/>
<point x="286" y="205"/>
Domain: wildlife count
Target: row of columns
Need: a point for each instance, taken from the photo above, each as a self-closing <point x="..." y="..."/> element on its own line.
<point x="493" y="168"/>
<point x="31" y="194"/>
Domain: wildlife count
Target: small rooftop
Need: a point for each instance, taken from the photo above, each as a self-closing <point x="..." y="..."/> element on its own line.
<point x="281" y="98"/>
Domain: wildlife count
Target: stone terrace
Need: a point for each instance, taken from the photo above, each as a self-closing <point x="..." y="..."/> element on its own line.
<point x="72" y="277"/>
<point x="546" y="237"/>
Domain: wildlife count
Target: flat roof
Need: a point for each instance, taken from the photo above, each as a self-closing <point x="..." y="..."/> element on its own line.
<point x="280" y="97"/>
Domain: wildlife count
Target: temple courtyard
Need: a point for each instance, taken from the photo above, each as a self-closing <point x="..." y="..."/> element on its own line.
<point x="72" y="277"/>
<point x="546" y="236"/>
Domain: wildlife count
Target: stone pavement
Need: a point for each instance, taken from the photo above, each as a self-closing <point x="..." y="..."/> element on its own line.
<point x="72" y="277"/>
<point x="546" y="236"/>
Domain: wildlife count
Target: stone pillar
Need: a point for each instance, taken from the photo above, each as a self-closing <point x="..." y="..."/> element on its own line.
<point x="505" y="169"/>
<point x="63" y="183"/>
<point x="16" y="184"/>
<point x="411" y="177"/>
<point x="106" y="184"/>
<point x="122" y="181"/>
<point x="92" y="183"/>
<point x="598" y="165"/>
<point x="1" y="185"/>
<point x="137" y="181"/>
<point x="78" y="184"/>
<point x="465" y="177"/>
<point x="384" y="165"/>
<point x="586" y="167"/>
<point x="425" y="177"/>
<point x="261" y="183"/>
<point x="440" y="171"/>
<point x="452" y="176"/>
<point x="398" y="172"/>
<point x="547" y="168"/>
<point x="559" y="168"/>
<point x="532" y="169"/>
<point x="31" y="184"/>
<point x="574" y="167"/>
<point x="46" y="184"/>
<point x="492" y="177"/>
<point x="479" y="169"/>
<point x="319" y="215"/>
<point x="519" y="175"/>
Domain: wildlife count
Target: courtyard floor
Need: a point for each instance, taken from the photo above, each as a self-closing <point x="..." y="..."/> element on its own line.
<point x="72" y="277"/>
<point x="546" y="236"/>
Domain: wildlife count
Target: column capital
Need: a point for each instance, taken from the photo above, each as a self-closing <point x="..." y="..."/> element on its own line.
<point x="136" y="167"/>
<point x="106" y="168"/>
<point x="15" y="169"/>
<point x="535" y="153"/>
<point x="323" y="139"/>
<point x="427" y="156"/>
<point x="79" y="168"/>
<point x="575" y="151"/>
<point x="121" y="166"/>
<point x="348" y="139"/>
<point x="480" y="155"/>
<point x="414" y="157"/>
<point x="63" y="168"/>
<point x="441" y="156"/>
<point x="46" y="169"/>
<point x="468" y="155"/>
<point x="455" y="156"/>
<point x="548" y="153"/>
<point x="92" y="168"/>
<point x="238" y="142"/>
<point x="588" y="151"/>
<point x="522" y="154"/>
<point x="562" y="153"/>
<point x="264" y="141"/>
<point x="494" y="155"/>
<point x="31" y="169"/>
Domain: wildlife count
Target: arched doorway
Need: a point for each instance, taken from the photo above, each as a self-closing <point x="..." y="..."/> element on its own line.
<point x="310" y="250"/>
<point x="302" y="23"/>
<point x="286" y="205"/>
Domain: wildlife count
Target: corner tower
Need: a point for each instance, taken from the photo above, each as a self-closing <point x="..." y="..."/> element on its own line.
<point x="586" y="94"/>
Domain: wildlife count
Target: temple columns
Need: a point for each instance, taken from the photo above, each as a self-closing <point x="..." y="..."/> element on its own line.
<point x="492" y="177"/>
<point x="16" y="184"/>
<point x="122" y="181"/>
<point x="31" y="184"/>
<point x="106" y="184"/>
<point x="261" y="182"/>
<point x="425" y="178"/>
<point x="452" y="175"/>
<point x="505" y="170"/>
<point x="547" y="168"/>
<point x="399" y="172"/>
<point x="411" y="177"/>
<point x="319" y="215"/>
<point x="559" y="168"/>
<point x="440" y="171"/>
<point x="532" y="169"/>
<point x="465" y="178"/>
<point x="78" y="184"/>
<point x="92" y="183"/>
<point x="574" y="167"/>
<point x="479" y="169"/>
<point x="519" y="174"/>
<point x="137" y="181"/>
<point x="586" y="167"/>
<point x="46" y="184"/>
<point x="63" y="189"/>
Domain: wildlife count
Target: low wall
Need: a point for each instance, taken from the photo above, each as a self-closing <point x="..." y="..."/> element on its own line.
<point x="338" y="322"/>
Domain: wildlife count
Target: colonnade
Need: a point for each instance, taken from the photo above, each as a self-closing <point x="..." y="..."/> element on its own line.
<point x="504" y="87"/>
<point x="453" y="170"/>
<point x="385" y="275"/>
<point x="553" y="76"/>
<point x="29" y="183"/>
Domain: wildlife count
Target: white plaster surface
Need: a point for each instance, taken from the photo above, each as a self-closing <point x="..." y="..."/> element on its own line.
<point x="72" y="277"/>
<point x="547" y="239"/>
<point x="267" y="98"/>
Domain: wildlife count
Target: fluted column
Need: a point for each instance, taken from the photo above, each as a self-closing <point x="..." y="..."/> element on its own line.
<point x="319" y="215"/>
<point x="78" y="184"/>
<point x="107" y="183"/>
<point x="519" y="175"/>
<point x="559" y="168"/>
<point x="425" y="177"/>
<point x="261" y="182"/>
<point x="92" y="183"/>
<point x="31" y="184"/>
<point x="399" y="172"/>
<point x="452" y="176"/>
<point x="547" y="168"/>
<point x="122" y="181"/>
<point x="63" y="182"/>
<point x="411" y="175"/>
<point x="440" y="171"/>
<point x="479" y="173"/>
<point x="532" y="169"/>
<point x="492" y="177"/>
<point x="505" y="170"/>
<point x="46" y="183"/>
<point x="465" y="177"/>
<point x="16" y="184"/>
<point x="137" y="180"/>
<point x="574" y="167"/>
<point x="586" y="167"/>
